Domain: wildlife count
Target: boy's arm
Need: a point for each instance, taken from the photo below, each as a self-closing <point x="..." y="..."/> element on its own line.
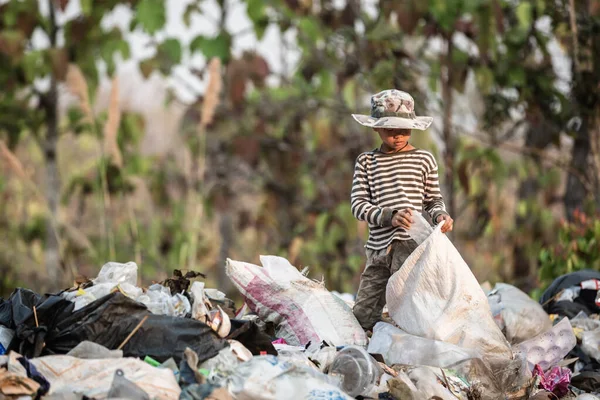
<point x="360" y="200"/>
<point x="433" y="201"/>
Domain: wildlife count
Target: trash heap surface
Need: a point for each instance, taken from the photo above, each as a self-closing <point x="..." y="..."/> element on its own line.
<point x="442" y="336"/>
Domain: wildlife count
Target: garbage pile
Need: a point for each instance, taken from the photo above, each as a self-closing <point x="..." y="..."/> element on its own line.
<point x="444" y="336"/>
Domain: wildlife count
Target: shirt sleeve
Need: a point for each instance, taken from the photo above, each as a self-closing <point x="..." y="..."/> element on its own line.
<point x="360" y="199"/>
<point x="433" y="202"/>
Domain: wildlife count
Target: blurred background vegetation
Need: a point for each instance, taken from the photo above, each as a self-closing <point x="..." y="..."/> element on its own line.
<point x="178" y="133"/>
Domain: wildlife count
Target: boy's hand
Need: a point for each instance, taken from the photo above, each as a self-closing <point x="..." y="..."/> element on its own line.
<point x="448" y="224"/>
<point x="403" y="218"/>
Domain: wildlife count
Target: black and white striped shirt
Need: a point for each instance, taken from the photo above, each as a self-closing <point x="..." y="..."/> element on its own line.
<point x="385" y="183"/>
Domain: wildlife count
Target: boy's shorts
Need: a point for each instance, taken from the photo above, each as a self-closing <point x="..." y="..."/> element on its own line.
<point x="381" y="265"/>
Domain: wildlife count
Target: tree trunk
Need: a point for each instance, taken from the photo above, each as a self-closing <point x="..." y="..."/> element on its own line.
<point x="585" y="66"/>
<point x="538" y="137"/>
<point x="576" y="191"/>
<point x="449" y="142"/>
<point x="52" y="249"/>
<point x="52" y="252"/>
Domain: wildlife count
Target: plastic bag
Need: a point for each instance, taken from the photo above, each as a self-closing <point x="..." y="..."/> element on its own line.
<point x="109" y="320"/>
<point x="521" y="317"/>
<point x="302" y="310"/>
<point x="6" y="337"/>
<point x="199" y="310"/>
<point x="590" y="343"/>
<point x="91" y="350"/>
<point x="93" y="378"/>
<point x="399" y="347"/>
<point x="417" y="384"/>
<point x="556" y="381"/>
<point x="434" y="295"/>
<point x="114" y="272"/>
<point x="267" y="378"/>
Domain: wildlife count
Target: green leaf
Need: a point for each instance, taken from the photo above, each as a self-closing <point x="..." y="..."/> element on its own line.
<point x="171" y="48"/>
<point x="516" y="77"/>
<point x="189" y="10"/>
<point x="326" y="86"/>
<point x="152" y="15"/>
<point x="33" y="63"/>
<point x="524" y="15"/>
<point x="309" y="28"/>
<point x="86" y="7"/>
<point x="257" y="13"/>
<point x="485" y="79"/>
<point x="213" y="47"/>
<point x="349" y="94"/>
<point x="382" y="31"/>
<point x="434" y="75"/>
<point x="256" y="10"/>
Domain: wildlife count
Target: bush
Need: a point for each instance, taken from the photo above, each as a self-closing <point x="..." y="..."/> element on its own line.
<point x="578" y="248"/>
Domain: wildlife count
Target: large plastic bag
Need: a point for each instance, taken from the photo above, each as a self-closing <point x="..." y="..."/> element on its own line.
<point x="519" y="317"/>
<point x="267" y="378"/>
<point x="93" y="378"/>
<point x="435" y="295"/>
<point x="302" y="310"/>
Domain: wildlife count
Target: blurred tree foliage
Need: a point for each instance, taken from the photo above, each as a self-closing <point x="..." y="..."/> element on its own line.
<point x="577" y="248"/>
<point x="270" y="171"/>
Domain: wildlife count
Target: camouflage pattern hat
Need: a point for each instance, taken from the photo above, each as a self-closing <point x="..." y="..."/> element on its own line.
<point x="393" y="109"/>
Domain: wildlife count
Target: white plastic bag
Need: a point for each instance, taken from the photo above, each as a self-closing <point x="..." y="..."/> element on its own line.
<point x="115" y="272"/>
<point x="399" y="347"/>
<point x="590" y="344"/>
<point x="419" y="383"/>
<point x="199" y="310"/>
<point x="302" y="310"/>
<point x="158" y="300"/>
<point x="267" y="378"/>
<point x="517" y="315"/>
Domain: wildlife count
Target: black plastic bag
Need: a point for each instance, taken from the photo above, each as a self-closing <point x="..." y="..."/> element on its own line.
<point x="249" y="334"/>
<point x="109" y="320"/>
<point x="586" y="300"/>
<point x="17" y="313"/>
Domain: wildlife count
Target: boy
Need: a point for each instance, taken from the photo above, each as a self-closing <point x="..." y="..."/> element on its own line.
<point x="390" y="185"/>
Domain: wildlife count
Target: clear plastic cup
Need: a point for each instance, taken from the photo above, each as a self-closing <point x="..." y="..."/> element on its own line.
<point x="358" y="370"/>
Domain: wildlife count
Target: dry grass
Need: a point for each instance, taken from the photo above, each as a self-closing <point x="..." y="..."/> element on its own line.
<point x="111" y="128"/>
<point x="78" y="86"/>
<point x="213" y="90"/>
<point x="12" y="161"/>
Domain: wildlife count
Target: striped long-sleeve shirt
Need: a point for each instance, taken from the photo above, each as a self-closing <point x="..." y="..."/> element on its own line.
<point x="386" y="183"/>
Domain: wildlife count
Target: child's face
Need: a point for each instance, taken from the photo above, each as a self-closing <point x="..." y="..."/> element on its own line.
<point x="395" y="139"/>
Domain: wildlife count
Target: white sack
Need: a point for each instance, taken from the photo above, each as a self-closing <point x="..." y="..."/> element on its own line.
<point x="302" y="310"/>
<point x="436" y="296"/>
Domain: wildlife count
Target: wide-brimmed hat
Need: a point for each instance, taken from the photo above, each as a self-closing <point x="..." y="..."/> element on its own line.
<point x="393" y="109"/>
